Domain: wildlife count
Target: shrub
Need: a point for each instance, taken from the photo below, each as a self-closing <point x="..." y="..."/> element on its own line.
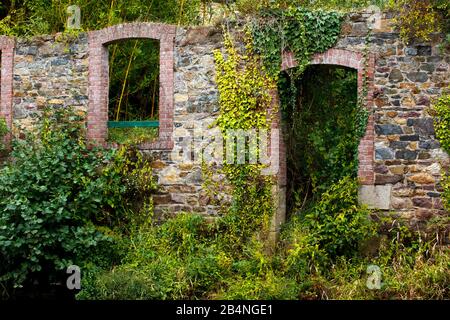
<point x="407" y="272"/>
<point x="59" y="199"/>
<point x="187" y="258"/>
<point x="334" y="227"/>
<point x="442" y="121"/>
<point x="417" y="19"/>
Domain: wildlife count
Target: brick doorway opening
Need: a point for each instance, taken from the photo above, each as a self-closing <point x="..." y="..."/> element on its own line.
<point x="364" y="66"/>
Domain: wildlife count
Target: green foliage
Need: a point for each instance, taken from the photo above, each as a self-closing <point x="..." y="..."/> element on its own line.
<point x="132" y="136"/>
<point x="48" y="197"/>
<point x="442" y="121"/>
<point x="254" y="6"/>
<point x="3" y="132"/>
<point x="411" y="268"/>
<point x="426" y="278"/>
<point x="337" y="223"/>
<point x="268" y="286"/>
<point x="322" y="257"/>
<point x="334" y="227"/>
<point x="418" y="19"/>
<point x="319" y="154"/>
<point x="245" y="100"/>
<point x="49" y="16"/>
<point x="185" y="257"/>
<point x="299" y="30"/>
<point x="322" y="130"/>
<point x="245" y="90"/>
<point x="441" y="109"/>
<point x="60" y="200"/>
<point x="134" y="80"/>
<point x="176" y="260"/>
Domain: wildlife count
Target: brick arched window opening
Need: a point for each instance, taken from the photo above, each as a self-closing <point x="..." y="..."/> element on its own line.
<point x="354" y="60"/>
<point x="97" y="115"/>
<point x="7" y="45"/>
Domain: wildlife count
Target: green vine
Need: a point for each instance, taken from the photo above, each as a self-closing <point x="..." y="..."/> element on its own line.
<point x="441" y="112"/>
<point x="419" y="19"/>
<point x="302" y="31"/>
<point x="245" y="101"/>
<point x="362" y="116"/>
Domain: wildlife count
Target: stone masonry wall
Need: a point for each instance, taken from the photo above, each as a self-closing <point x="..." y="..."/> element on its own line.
<point x="49" y="71"/>
<point x="407" y="78"/>
<point x="402" y="161"/>
<point x="195" y="106"/>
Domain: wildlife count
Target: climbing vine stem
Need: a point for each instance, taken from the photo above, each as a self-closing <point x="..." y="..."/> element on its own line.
<point x="246" y="96"/>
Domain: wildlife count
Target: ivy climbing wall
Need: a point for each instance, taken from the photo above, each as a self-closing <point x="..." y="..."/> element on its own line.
<point x="400" y="159"/>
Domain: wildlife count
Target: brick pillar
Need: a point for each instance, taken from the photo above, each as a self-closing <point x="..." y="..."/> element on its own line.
<point x="7" y="45"/>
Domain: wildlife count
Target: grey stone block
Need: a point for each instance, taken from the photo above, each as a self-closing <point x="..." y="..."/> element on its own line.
<point x="375" y="197"/>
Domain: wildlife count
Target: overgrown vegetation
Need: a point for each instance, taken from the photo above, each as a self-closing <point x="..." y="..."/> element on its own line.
<point x="299" y="30"/>
<point x="132" y="136"/>
<point x="133" y="89"/>
<point x="245" y="100"/>
<point x="321" y="130"/>
<point x="442" y="127"/>
<point x="27" y="18"/>
<point x="323" y="255"/>
<point x="255" y="6"/>
<point x="419" y="19"/>
<point x="3" y="132"/>
<point x="60" y="201"/>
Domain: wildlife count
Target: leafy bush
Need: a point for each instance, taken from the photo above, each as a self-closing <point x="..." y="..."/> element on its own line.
<point x="44" y="17"/>
<point x="132" y="135"/>
<point x="322" y="131"/>
<point x="442" y="121"/>
<point x="187" y="258"/>
<point x="58" y="199"/>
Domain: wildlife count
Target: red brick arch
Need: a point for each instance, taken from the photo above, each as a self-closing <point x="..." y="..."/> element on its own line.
<point x="354" y="60"/>
<point x="97" y="117"/>
<point x="7" y="45"/>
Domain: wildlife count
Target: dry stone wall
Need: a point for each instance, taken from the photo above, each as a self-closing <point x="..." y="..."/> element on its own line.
<point x="49" y="71"/>
<point x="407" y="79"/>
<point x="403" y="160"/>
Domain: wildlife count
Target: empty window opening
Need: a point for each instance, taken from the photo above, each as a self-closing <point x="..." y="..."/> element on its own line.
<point x="133" y="91"/>
<point x="321" y="132"/>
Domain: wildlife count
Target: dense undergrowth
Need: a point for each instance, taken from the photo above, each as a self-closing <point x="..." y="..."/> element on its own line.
<point x="322" y="255"/>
